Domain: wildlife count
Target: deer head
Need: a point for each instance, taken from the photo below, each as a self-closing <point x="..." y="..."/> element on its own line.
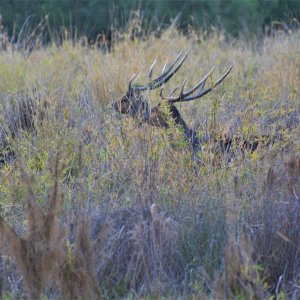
<point x="135" y="104"/>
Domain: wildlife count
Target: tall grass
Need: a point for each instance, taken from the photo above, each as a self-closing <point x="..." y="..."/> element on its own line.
<point x="138" y="216"/>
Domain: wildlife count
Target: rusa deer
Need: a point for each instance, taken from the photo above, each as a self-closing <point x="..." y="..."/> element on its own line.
<point x="135" y="104"/>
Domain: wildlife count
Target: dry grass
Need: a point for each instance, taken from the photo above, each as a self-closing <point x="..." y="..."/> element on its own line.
<point x="138" y="217"/>
<point x="240" y="278"/>
<point x="276" y="236"/>
<point x="143" y="254"/>
<point x="38" y="250"/>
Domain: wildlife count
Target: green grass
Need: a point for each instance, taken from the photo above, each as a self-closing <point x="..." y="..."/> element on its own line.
<point x="227" y="227"/>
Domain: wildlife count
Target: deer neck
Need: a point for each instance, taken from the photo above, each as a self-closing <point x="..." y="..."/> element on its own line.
<point x="189" y="134"/>
<point x="157" y="117"/>
<point x="175" y="114"/>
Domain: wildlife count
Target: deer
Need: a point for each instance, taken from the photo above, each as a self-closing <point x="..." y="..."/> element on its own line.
<point x="135" y="104"/>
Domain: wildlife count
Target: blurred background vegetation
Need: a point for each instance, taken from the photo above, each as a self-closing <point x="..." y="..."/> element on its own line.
<point x="91" y="17"/>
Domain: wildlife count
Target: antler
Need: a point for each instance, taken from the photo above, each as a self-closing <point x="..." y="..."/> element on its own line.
<point x="163" y="78"/>
<point x="185" y="96"/>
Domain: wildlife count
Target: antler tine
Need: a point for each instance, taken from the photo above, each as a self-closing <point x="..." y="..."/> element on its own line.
<point x="201" y="92"/>
<point x="199" y="95"/>
<point x="224" y="76"/>
<point x="173" y="91"/>
<point x="164" y="67"/>
<point x="183" y="89"/>
<point x="200" y="85"/>
<point x="161" y="93"/>
<point x="151" y="70"/>
<point x="130" y="81"/>
<point x="162" y="79"/>
<point x="165" y="76"/>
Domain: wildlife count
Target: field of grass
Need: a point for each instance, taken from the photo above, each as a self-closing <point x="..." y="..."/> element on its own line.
<point x="94" y="204"/>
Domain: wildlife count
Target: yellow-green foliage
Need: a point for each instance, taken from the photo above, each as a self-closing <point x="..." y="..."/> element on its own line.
<point x="114" y="160"/>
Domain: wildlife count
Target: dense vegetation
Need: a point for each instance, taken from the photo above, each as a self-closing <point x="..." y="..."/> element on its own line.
<point x="93" y="16"/>
<point x="93" y="203"/>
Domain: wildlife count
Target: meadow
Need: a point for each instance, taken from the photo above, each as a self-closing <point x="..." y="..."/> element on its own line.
<point x="96" y="205"/>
